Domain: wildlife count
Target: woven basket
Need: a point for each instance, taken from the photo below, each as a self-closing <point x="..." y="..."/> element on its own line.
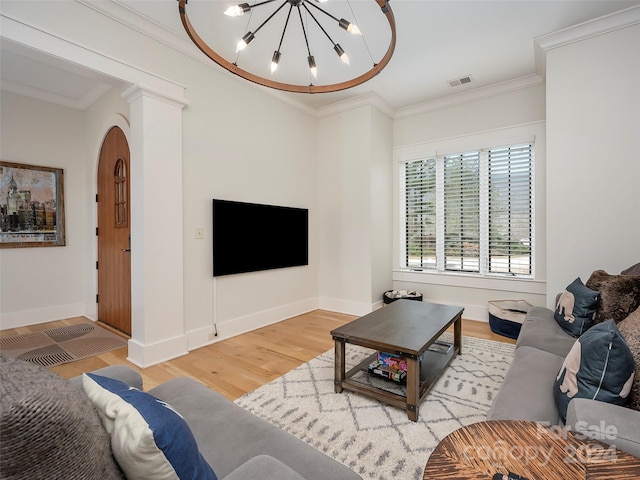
<point x="506" y="316"/>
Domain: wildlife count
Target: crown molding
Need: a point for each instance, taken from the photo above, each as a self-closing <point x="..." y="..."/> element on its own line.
<point x="477" y="94"/>
<point x="81" y="103"/>
<point x="582" y="31"/>
<point x="368" y="99"/>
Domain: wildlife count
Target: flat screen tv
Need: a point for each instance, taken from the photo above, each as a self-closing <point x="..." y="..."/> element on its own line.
<point x="250" y="237"/>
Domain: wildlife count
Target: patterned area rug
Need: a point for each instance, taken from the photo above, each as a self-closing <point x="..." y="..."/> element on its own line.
<point x="376" y="440"/>
<point x="61" y="345"/>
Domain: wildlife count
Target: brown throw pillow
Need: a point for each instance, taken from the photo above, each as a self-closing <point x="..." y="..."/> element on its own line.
<point x="632" y="270"/>
<point x="630" y="330"/>
<point x="619" y="295"/>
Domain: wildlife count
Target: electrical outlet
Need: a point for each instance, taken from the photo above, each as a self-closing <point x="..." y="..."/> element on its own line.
<point x="199" y="233"/>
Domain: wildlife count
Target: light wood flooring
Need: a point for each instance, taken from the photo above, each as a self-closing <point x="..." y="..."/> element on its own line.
<point x="241" y="364"/>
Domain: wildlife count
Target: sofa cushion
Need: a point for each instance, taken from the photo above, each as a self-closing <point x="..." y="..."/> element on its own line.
<point x="263" y="467"/>
<point x="576" y="307"/>
<point x="229" y="436"/>
<point x="49" y="428"/>
<point x="619" y="295"/>
<point x="121" y="372"/>
<point x="149" y="438"/>
<point x="599" y="366"/>
<point x="540" y="330"/>
<point x="611" y="424"/>
<point x="527" y="390"/>
<point x="630" y="330"/>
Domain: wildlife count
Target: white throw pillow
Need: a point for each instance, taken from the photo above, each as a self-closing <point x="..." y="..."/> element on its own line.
<point x="149" y="439"/>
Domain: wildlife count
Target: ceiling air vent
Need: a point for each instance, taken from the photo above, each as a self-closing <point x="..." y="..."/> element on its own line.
<point x="460" y="81"/>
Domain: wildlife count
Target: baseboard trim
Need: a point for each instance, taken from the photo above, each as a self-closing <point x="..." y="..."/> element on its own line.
<point x="145" y="356"/>
<point x="348" y="307"/>
<point x="25" y="318"/>
<point x="230" y="328"/>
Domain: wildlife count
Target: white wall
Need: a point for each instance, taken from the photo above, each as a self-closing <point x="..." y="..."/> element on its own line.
<point x="470" y="116"/>
<point x="381" y="195"/>
<point x="46" y="283"/>
<point x="593" y="165"/>
<point x="354" y="178"/>
<point x="240" y="144"/>
<point x="345" y="238"/>
<point x="515" y="115"/>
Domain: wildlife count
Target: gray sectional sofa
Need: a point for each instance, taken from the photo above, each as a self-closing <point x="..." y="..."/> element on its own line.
<point x="231" y="439"/>
<point x="50" y="429"/>
<point x="528" y="389"/>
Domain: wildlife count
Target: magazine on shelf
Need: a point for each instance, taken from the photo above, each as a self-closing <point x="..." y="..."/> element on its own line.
<point x="440" y="347"/>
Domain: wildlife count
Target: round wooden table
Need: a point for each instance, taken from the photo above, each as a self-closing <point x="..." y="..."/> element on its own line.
<point x="529" y="449"/>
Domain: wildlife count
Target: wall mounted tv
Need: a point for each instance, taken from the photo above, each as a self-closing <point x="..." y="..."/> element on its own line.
<point x="250" y="237"/>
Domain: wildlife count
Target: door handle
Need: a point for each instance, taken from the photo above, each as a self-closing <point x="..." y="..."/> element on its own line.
<point x="127" y="250"/>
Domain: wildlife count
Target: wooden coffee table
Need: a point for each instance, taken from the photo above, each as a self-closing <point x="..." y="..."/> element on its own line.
<point x="406" y="328"/>
<point x="529" y="449"/>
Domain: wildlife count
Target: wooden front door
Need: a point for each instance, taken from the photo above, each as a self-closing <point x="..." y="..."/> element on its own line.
<point x="114" y="232"/>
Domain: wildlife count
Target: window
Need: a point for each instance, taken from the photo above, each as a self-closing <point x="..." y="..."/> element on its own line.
<point x="470" y="212"/>
<point x="121" y="188"/>
<point x="420" y="213"/>
<point x="462" y="212"/>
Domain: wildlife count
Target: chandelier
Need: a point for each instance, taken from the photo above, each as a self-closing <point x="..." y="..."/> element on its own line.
<point x="298" y="35"/>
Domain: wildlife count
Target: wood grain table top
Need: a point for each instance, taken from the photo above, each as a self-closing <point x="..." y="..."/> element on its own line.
<point x="404" y="325"/>
<point x="529" y="449"/>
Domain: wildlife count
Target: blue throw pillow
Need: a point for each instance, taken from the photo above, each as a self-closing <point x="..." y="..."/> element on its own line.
<point x="599" y="366"/>
<point x="148" y="437"/>
<point x="576" y="308"/>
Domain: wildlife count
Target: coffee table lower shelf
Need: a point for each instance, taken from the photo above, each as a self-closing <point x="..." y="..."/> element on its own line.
<point x="359" y="380"/>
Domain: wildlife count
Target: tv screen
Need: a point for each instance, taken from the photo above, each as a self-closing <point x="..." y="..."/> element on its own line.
<point x="250" y="237"/>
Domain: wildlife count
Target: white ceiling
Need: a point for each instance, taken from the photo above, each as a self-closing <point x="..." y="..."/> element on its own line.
<point x="437" y="41"/>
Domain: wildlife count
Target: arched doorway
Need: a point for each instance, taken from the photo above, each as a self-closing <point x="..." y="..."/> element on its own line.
<point x="114" y="232"/>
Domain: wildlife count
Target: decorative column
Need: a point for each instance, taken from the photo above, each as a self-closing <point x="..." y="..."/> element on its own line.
<point x="157" y="304"/>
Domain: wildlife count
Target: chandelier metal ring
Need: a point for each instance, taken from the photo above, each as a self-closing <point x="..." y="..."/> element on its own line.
<point x="290" y="87"/>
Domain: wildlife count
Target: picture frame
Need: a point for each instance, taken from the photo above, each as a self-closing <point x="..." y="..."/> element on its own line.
<point x="31" y="206"/>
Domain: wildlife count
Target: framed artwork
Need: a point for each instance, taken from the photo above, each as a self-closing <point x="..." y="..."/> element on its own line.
<point x="31" y="206"/>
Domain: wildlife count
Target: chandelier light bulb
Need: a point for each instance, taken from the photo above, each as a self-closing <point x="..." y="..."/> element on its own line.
<point x="275" y="61"/>
<point x="237" y="10"/>
<point x="349" y="27"/>
<point x="343" y="56"/>
<point x="246" y="40"/>
<point x="312" y="66"/>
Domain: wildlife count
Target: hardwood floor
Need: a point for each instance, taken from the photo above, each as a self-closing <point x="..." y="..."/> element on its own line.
<point x="238" y="365"/>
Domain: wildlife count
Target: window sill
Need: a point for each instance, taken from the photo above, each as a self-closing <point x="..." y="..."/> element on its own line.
<point x="469" y="280"/>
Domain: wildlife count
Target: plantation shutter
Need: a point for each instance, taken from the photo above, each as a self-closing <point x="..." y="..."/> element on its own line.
<point x="510" y="210"/>
<point x="471" y="212"/>
<point x="462" y="212"/>
<point x="420" y="214"/>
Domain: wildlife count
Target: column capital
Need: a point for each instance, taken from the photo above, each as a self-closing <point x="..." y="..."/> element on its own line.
<point x="136" y="91"/>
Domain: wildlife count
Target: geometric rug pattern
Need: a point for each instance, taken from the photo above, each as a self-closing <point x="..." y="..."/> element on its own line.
<point x="376" y="440"/>
<point x="61" y="345"/>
